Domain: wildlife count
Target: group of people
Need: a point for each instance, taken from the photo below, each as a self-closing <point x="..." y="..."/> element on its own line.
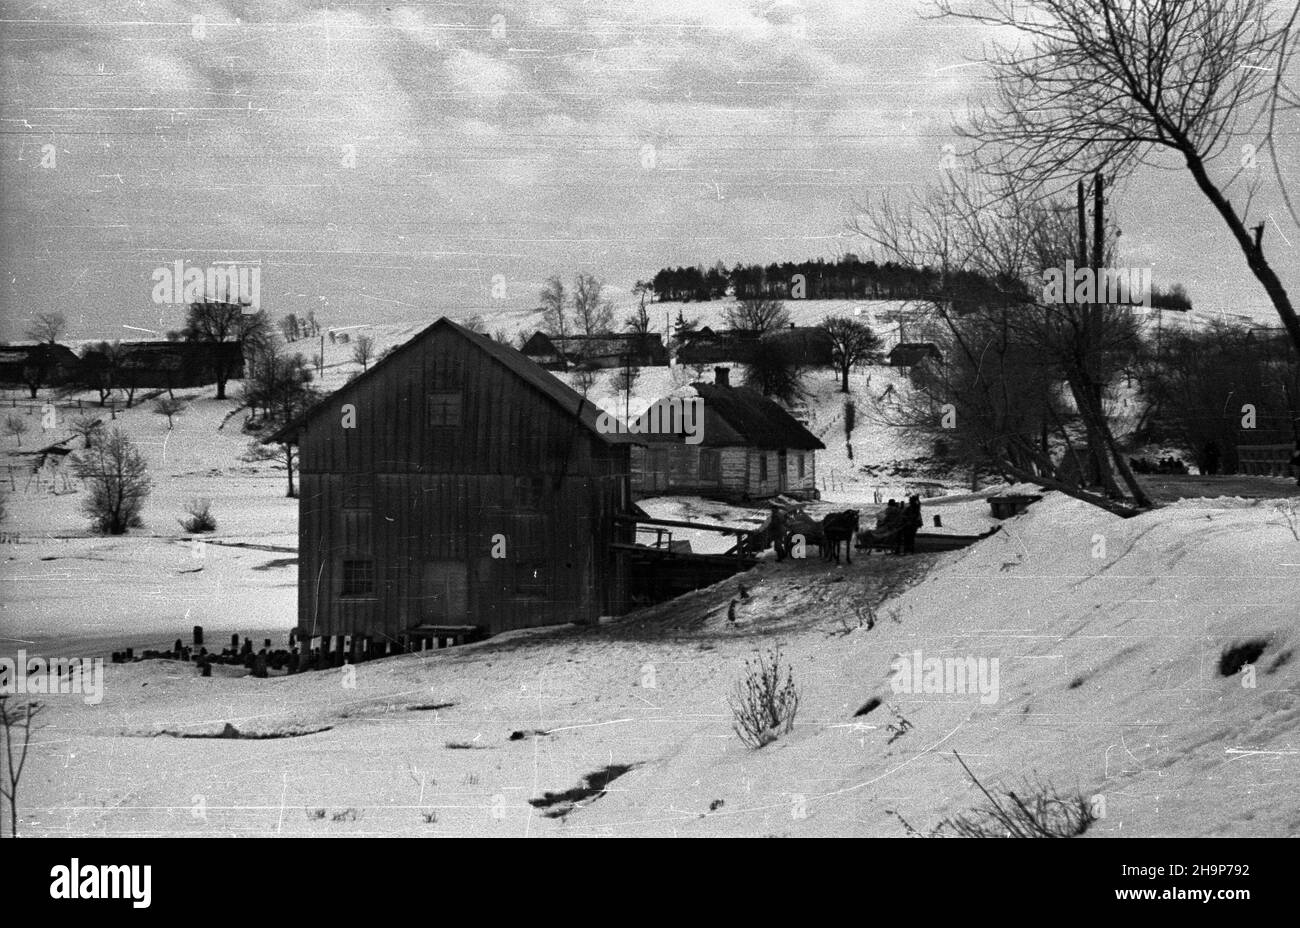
<point x="901" y="522"/>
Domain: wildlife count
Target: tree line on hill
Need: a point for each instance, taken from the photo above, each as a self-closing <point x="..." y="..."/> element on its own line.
<point x="848" y="278"/>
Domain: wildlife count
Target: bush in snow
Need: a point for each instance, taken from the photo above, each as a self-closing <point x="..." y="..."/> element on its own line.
<point x="201" y="518"/>
<point x="1036" y="811"/>
<point x="117" y="483"/>
<point x="765" y="702"/>
<point x="16" y="426"/>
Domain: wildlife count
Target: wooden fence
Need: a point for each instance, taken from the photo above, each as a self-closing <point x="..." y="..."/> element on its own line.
<point x="1265" y="460"/>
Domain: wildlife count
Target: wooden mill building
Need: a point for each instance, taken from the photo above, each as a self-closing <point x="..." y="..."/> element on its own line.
<point x="456" y="485"/>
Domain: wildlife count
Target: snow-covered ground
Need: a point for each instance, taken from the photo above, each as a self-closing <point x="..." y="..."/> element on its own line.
<point x="69" y="591"/>
<point x="1106" y="633"/>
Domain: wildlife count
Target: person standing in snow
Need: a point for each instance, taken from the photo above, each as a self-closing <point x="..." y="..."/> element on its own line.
<point x="912" y="522"/>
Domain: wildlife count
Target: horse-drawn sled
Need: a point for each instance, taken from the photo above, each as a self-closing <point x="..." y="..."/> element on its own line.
<point x="924" y="543"/>
<point x="896" y="530"/>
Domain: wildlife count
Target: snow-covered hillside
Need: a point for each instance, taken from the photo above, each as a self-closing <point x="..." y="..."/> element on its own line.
<point x="1107" y="636"/>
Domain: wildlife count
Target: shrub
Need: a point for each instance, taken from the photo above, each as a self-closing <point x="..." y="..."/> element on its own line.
<point x="16" y="426"/>
<point x="117" y="483"/>
<point x="764" y="704"/>
<point x="201" y="518"/>
<point x="1037" y="811"/>
<point x="1236" y="656"/>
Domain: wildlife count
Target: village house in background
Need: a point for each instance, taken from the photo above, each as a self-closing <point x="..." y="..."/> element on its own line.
<point x="809" y="346"/>
<point x="751" y="449"/>
<point x="910" y="354"/>
<point x="456" y="487"/>
<point x="554" y="352"/>
<point x="167" y="365"/>
<point x="36" y="366"/>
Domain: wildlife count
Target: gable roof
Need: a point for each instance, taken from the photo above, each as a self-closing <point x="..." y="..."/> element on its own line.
<point x="52" y="353"/>
<point x="909" y="354"/>
<point x="572" y="403"/>
<point x="758" y="419"/>
<point x="538" y="343"/>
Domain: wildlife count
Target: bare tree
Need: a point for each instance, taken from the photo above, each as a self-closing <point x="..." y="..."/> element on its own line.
<point x="638" y="322"/>
<point x="363" y="349"/>
<point x="47" y="328"/>
<point x="852" y="342"/>
<point x="625" y="382"/>
<point x="40" y="367"/>
<point x="117" y="483"/>
<point x="214" y="322"/>
<point x="285" y="453"/>
<point x="87" y="428"/>
<point x="16" y="426"/>
<point x="773" y="368"/>
<point x="170" y="407"/>
<point x="101" y="368"/>
<point x="584" y="378"/>
<point x="1108" y="85"/>
<point x="592" y="312"/>
<point x="554" y="306"/>
<point x="280" y="387"/>
<point x="1006" y="340"/>
<point x="13" y="720"/>
<point x="758" y="315"/>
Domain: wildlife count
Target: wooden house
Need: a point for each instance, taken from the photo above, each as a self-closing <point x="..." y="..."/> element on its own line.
<point x="38" y="366"/>
<point x="165" y="364"/>
<point x="910" y="354"/>
<point x="555" y="352"/>
<point x="810" y="346"/>
<point x="748" y="448"/>
<point x="456" y="485"/>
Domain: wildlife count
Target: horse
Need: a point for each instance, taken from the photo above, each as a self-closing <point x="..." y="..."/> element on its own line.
<point x="800" y="524"/>
<point x="769" y="534"/>
<point x="839" y="527"/>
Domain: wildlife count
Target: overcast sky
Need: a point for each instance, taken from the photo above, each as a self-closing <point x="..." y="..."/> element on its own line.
<point x="385" y="161"/>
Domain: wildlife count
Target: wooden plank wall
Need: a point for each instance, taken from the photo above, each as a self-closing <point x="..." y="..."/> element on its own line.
<point x="441" y="495"/>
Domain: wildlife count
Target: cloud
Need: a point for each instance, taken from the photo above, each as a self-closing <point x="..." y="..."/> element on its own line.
<point x="398" y="154"/>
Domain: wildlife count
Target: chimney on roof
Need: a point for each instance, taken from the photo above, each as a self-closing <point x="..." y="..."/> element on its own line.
<point x="722" y="376"/>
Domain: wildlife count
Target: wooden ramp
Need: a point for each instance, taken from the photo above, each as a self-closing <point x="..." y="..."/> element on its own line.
<point x="662" y="570"/>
